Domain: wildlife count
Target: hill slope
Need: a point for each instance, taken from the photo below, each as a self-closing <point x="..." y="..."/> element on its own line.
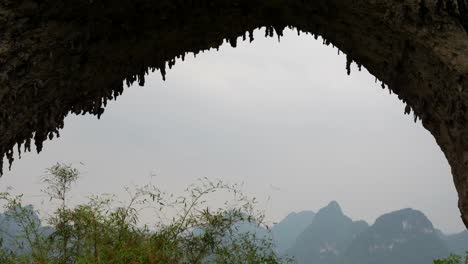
<point x="286" y="231"/>
<point x="327" y="237"/>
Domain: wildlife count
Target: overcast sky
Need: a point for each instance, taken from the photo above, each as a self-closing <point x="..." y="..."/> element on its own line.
<point x="284" y="118"/>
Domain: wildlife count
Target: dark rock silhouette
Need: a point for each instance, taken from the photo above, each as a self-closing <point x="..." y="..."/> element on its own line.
<point x="61" y="57"/>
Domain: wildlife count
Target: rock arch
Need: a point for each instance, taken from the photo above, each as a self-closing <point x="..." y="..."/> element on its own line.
<point x="59" y="57"/>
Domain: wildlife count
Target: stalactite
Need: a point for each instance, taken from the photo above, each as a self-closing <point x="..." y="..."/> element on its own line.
<point x="27" y="146"/>
<point x="269" y="32"/>
<point x="407" y="109"/>
<point x="233" y="42"/>
<point x="162" y="68"/>
<point x="1" y="162"/>
<point x="171" y="63"/>
<point x="279" y="32"/>
<point x="99" y="113"/>
<point x="10" y="158"/>
<point x="348" y="64"/>
<point x="141" y="79"/>
<point x="19" y="150"/>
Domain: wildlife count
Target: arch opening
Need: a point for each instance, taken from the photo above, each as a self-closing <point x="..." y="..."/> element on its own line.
<point x="277" y="116"/>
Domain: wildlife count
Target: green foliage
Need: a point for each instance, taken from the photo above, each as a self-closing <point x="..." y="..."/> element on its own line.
<point x="453" y="259"/>
<point x="105" y="230"/>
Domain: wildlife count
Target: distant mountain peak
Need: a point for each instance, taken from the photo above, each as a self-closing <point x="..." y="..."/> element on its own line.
<point x="333" y="208"/>
<point x="327" y="237"/>
<point x="334" y="204"/>
<point x="405" y="220"/>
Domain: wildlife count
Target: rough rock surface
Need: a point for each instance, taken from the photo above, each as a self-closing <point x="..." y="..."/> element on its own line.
<point x="59" y="57"/>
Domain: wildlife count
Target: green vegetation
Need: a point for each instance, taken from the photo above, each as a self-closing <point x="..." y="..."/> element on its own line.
<point x="105" y="230"/>
<point x="453" y="259"/>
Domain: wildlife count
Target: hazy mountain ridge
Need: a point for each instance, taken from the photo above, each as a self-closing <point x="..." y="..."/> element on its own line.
<point x="405" y="236"/>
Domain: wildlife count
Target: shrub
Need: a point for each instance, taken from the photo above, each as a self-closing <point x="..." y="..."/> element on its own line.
<point x="105" y="230"/>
